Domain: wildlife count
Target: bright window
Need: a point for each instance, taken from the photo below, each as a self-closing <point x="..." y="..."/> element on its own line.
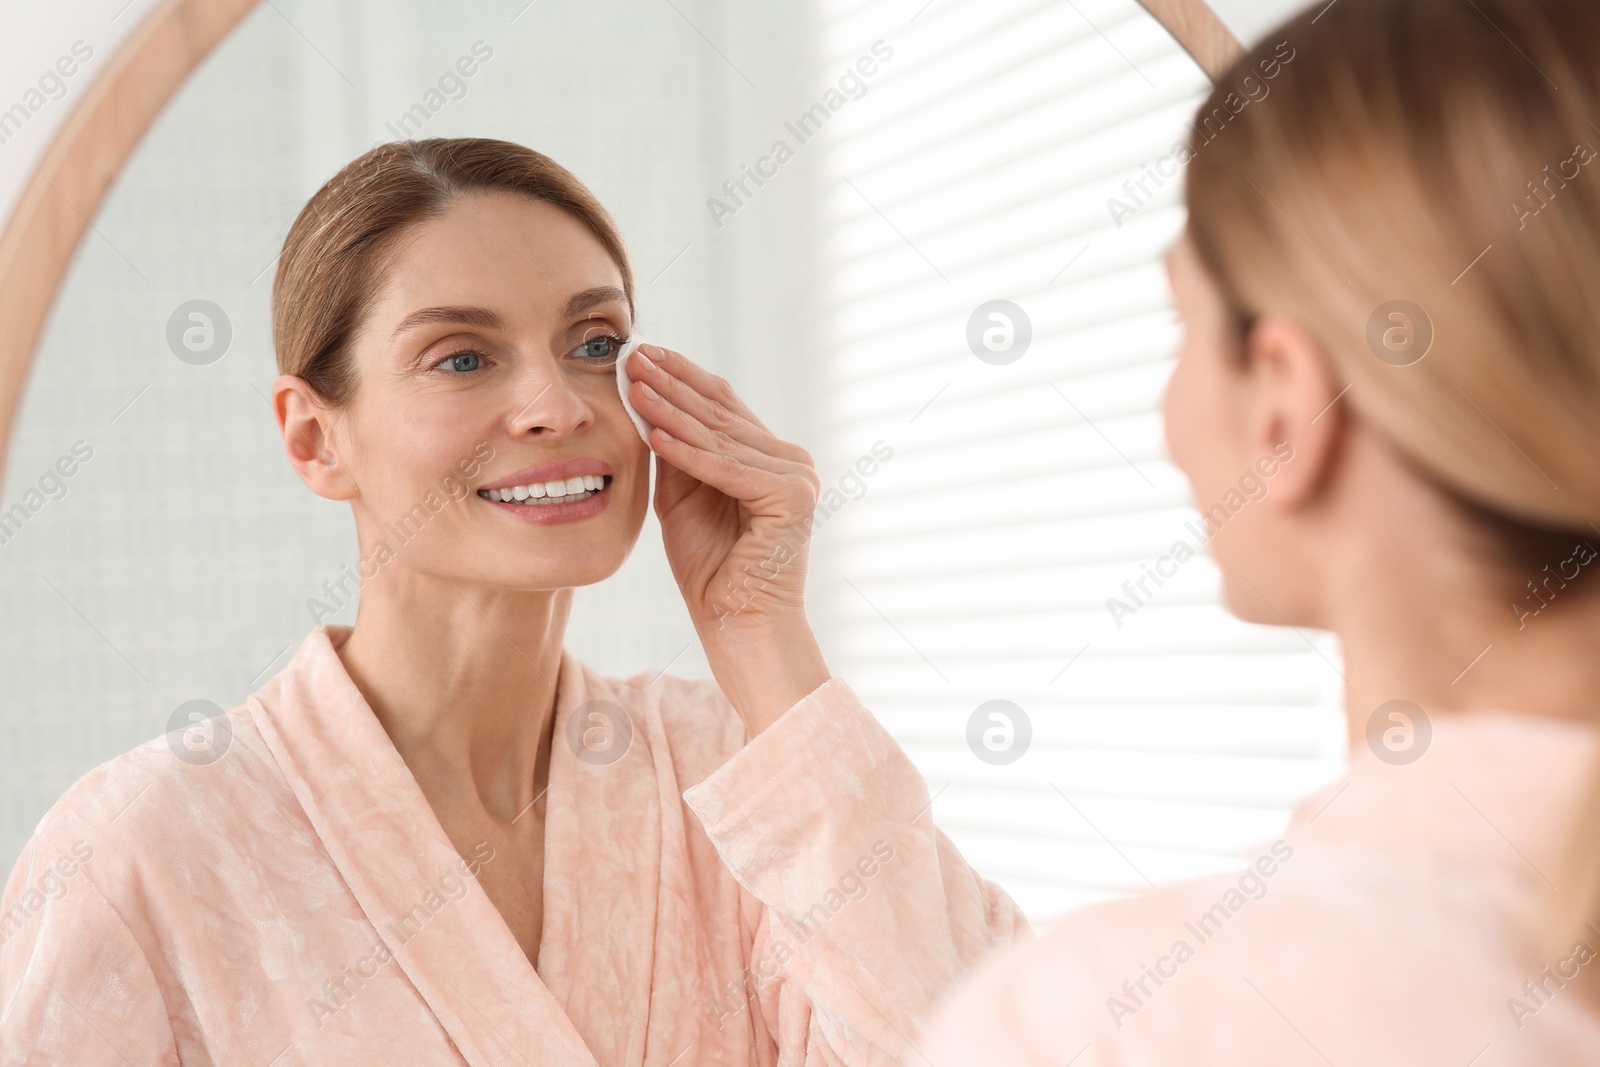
<point x="976" y="563"/>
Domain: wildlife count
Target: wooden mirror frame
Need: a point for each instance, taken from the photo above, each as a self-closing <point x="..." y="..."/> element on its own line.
<point x="70" y="181"/>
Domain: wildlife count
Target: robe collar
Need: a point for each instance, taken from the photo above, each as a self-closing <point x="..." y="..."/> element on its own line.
<point x="602" y="867"/>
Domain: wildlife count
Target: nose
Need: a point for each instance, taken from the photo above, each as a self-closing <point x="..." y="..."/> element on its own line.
<point x="545" y="404"/>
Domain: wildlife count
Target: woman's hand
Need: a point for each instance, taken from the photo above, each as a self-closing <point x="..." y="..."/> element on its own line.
<point x="735" y="504"/>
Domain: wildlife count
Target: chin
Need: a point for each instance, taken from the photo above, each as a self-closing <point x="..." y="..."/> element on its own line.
<point x="1271" y="606"/>
<point x="1242" y="601"/>
<point x="564" y="570"/>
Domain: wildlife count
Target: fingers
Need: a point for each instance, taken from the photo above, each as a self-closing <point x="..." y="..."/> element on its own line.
<point x="713" y="402"/>
<point x="701" y="380"/>
<point x="762" y="491"/>
<point x="685" y="427"/>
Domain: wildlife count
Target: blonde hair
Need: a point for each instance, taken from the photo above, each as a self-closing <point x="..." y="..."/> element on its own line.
<point x="338" y="249"/>
<point x="1437" y="153"/>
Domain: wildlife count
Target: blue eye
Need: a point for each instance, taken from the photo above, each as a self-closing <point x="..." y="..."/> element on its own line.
<point x="600" y="349"/>
<point x="453" y="362"/>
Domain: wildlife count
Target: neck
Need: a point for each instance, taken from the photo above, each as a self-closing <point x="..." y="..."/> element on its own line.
<point x="1423" y="623"/>
<point x="463" y="679"/>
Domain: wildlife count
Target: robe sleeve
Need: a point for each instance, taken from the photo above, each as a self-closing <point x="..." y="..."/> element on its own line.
<point x="75" y="987"/>
<point x="869" y="911"/>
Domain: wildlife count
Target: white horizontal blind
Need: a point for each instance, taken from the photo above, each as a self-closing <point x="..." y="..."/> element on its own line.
<point x="977" y="561"/>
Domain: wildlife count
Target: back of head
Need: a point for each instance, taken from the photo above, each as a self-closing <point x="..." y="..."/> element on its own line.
<point x="1445" y="155"/>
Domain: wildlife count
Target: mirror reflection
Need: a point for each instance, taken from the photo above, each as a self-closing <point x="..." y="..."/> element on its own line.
<point x="922" y="248"/>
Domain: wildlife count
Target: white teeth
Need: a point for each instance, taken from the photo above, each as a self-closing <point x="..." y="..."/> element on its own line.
<point x="563" y="491"/>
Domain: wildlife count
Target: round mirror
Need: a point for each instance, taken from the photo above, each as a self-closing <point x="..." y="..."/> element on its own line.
<point x="922" y="239"/>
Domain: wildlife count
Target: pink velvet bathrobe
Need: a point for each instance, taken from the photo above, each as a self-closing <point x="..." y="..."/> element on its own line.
<point x="296" y="901"/>
<point x="1388" y="928"/>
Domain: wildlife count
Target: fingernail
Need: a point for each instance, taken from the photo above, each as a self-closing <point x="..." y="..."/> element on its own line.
<point x="657" y="354"/>
<point x="649" y="393"/>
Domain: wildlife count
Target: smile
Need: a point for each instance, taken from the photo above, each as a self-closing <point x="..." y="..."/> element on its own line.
<point x="560" y="491"/>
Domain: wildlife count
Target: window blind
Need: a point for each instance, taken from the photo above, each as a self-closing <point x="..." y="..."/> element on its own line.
<point x="976" y="562"/>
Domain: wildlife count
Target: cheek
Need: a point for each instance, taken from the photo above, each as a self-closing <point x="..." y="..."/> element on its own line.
<point x="638" y="470"/>
<point x="616" y="428"/>
<point x="613" y="424"/>
<point x="407" y="451"/>
<point x="423" y="449"/>
<point x="1197" y="410"/>
<point x="1183" y="410"/>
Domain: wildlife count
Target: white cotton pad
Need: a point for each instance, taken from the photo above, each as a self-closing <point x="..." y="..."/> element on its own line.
<point x="623" y="381"/>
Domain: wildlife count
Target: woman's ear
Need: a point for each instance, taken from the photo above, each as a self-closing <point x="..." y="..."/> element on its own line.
<point x="1293" y="409"/>
<point x="307" y="439"/>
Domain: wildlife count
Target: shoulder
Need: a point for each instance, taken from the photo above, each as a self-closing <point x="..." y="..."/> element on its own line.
<point x="693" y="703"/>
<point x="164" y="765"/>
<point x="1204" y="971"/>
<point x="691" y="719"/>
<point x="695" y="720"/>
<point x="80" y="915"/>
<point x="61" y="939"/>
<point x="179" y="802"/>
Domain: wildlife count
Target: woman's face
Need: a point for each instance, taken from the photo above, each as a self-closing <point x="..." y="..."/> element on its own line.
<point x="489" y="360"/>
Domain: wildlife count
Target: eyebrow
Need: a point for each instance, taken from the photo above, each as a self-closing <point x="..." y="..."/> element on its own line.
<point x="483" y="318"/>
<point x="590" y="299"/>
<point x="489" y="319"/>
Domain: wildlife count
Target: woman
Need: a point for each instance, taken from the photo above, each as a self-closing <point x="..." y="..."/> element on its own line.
<point x="1440" y="904"/>
<point x="437" y="837"/>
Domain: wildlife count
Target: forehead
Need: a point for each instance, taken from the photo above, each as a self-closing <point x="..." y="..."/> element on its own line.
<point x="495" y="249"/>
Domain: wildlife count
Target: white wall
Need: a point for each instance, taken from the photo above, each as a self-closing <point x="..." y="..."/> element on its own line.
<point x="1250" y="19"/>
